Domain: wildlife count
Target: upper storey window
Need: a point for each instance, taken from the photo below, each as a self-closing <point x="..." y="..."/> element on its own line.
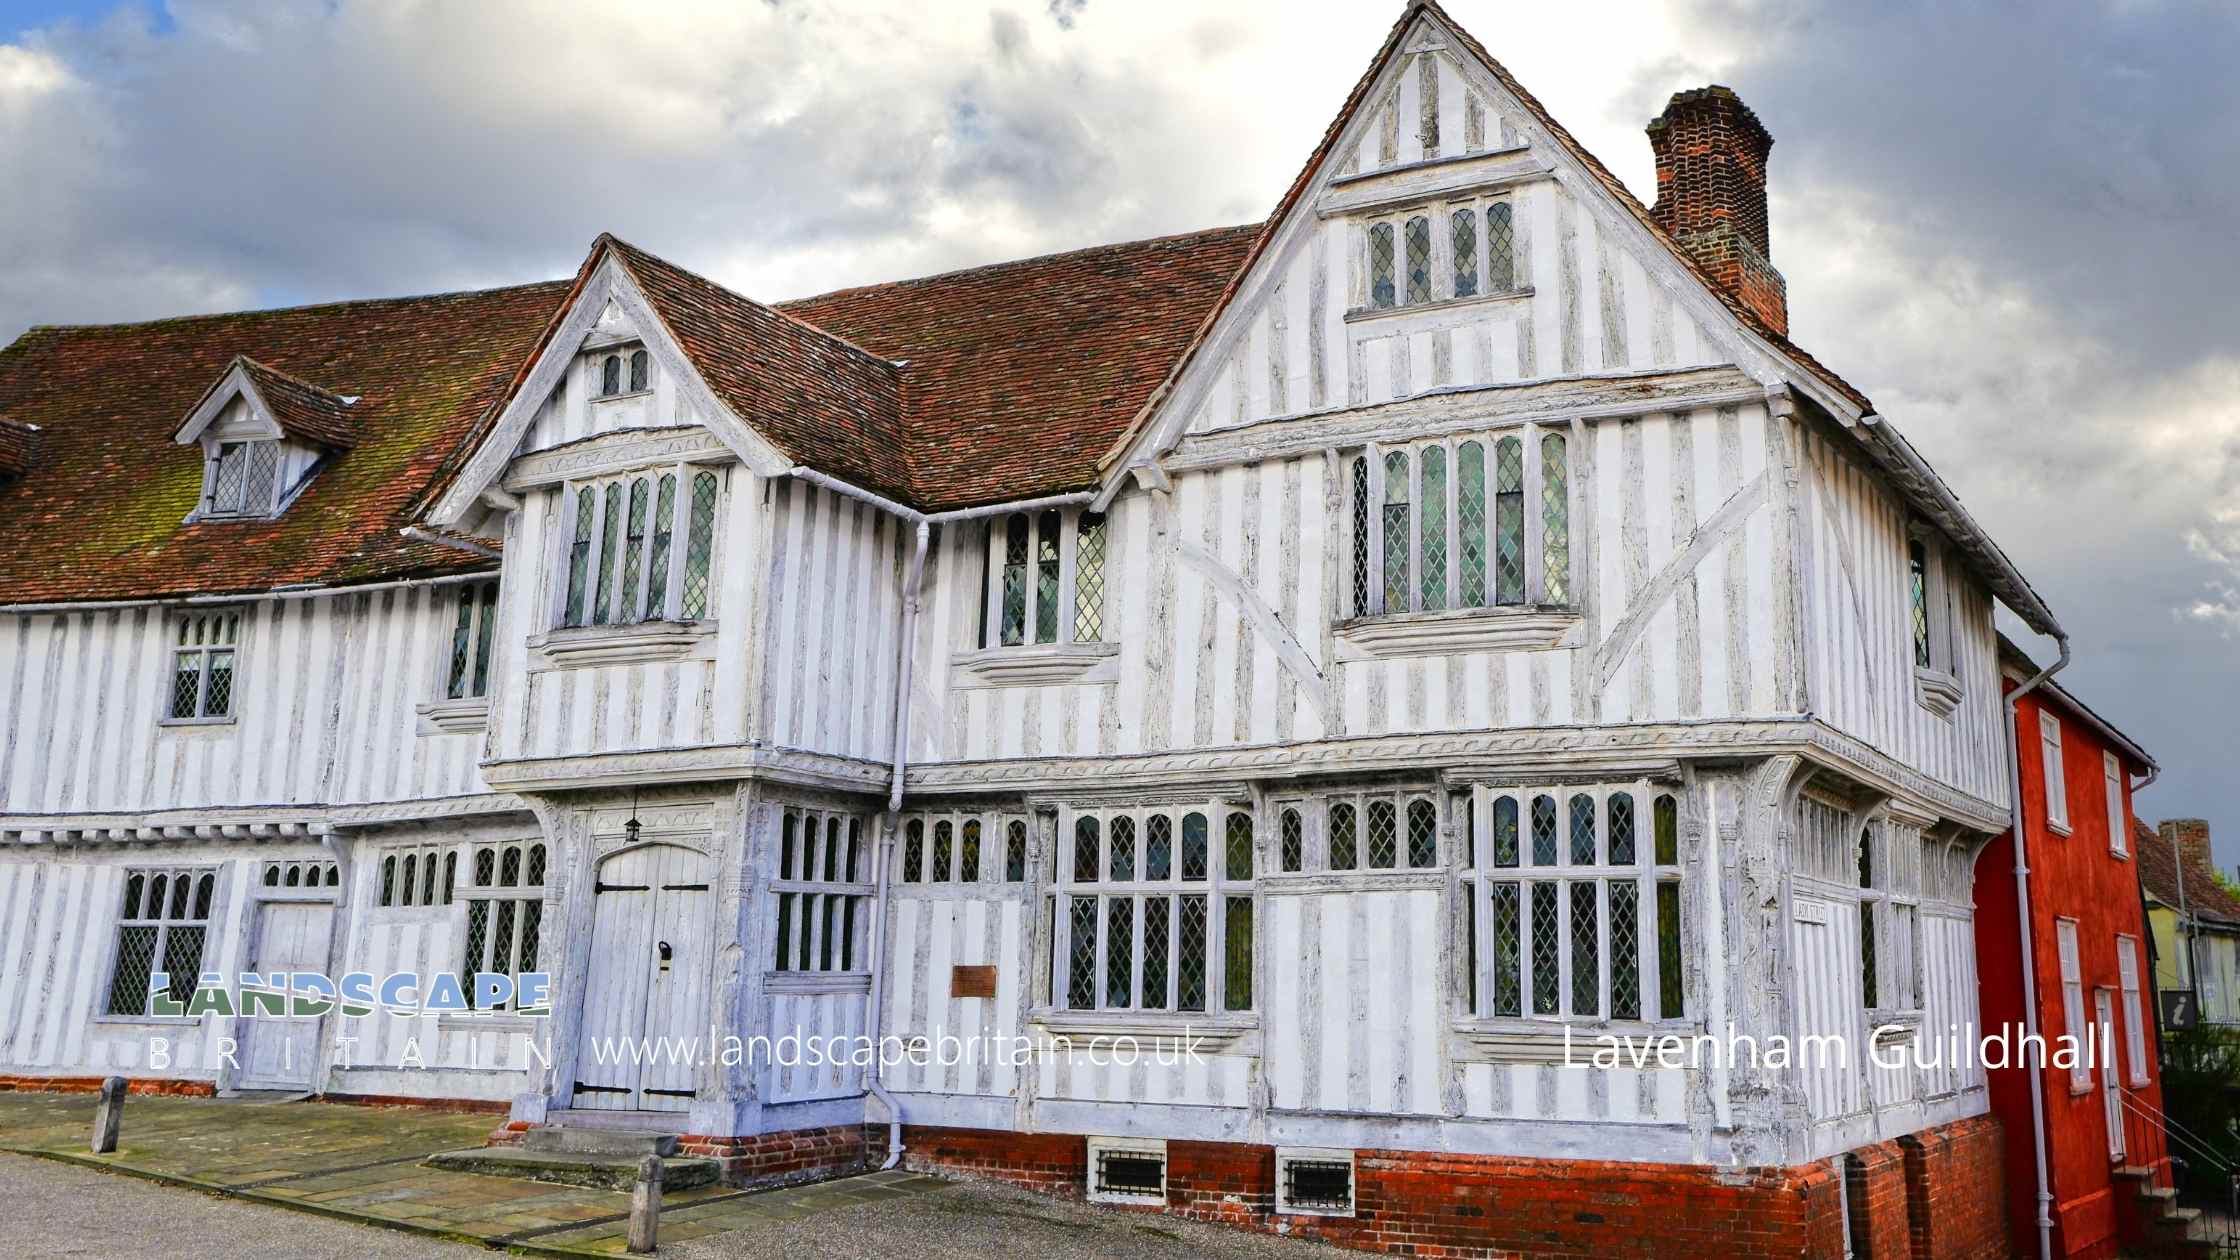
<point x="203" y="655"/>
<point x="639" y="547"/>
<point x="1410" y="262"/>
<point x="468" y="676"/>
<point x="1046" y="579"/>
<point x="241" y="479"/>
<point x="1474" y="522"/>
<point x="1929" y="603"/>
<point x="624" y="372"/>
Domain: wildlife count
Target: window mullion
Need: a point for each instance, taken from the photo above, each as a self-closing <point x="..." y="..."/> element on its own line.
<point x="202" y="684"/>
<point x="1564" y="960"/>
<point x="1415" y="529"/>
<point x="1374" y="515"/>
<point x="1535" y="570"/>
<point x="1135" y="955"/>
<point x="1102" y="996"/>
<point x="1069" y="525"/>
<point x="1452" y="488"/>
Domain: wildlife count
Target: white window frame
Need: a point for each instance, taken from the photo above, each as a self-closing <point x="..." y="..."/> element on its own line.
<point x="1218" y="889"/>
<point x="1439" y="216"/>
<point x="2134" y="1010"/>
<point x="214" y="632"/>
<point x="493" y="897"/>
<point x="2072" y="1003"/>
<point x="821" y="890"/>
<point x="608" y="562"/>
<point x="2057" y="785"/>
<point x="198" y="913"/>
<point x="467" y="669"/>
<point x="1544" y="587"/>
<point x="1074" y="605"/>
<point x="250" y="450"/>
<point x="628" y="360"/>
<point x="932" y="848"/>
<point x="1486" y="874"/>
<point x="2111" y="1086"/>
<point x="2119" y="830"/>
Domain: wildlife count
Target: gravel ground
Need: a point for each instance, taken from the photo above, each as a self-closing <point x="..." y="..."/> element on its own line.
<point x="57" y="1210"/>
<point x="975" y="1221"/>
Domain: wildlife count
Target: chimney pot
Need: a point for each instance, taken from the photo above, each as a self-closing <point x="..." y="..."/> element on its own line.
<point x="1711" y="195"/>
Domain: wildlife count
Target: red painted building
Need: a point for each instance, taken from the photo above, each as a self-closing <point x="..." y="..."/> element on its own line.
<point x="2104" y="1155"/>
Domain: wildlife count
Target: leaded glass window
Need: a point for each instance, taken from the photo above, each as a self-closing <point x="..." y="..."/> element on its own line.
<point x="1463" y="227"/>
<point x="1344" y="845"/>
<point x="1152" y="930"/>
<point x="953" y="848"/>
<point x="1583" y="929"/>
<point x="205" y="666"/>
<point x="610" y="376"/>
<point x="579" y="555"/>
<point x="821" y="894"/>
<point x="1383" y="294"/>
<point x="1423" y="834"/>
<point x="610" y="529"/>
<point x="472" y="632"/>
<point x="504" y="895"/>
<point x="1421" y="517"/>
<point x="162" y="925"/>
<point x="1432" y="528"/>
<point x="621" y="564"/>
<point x="1419" y="260"/>
<point x="639" y="371"/>
<point x="699" y="548"/>
<point x="633" y="554"/>
<point x="1555" y="519"/>
<point x="1917" y="566"/>
<point x="242" y="478"/>
<point x="1384" y="833"/>
<point x="1048" y="578"/>
<point x="1501" y="248"/>
<point x="1293" y="840"/>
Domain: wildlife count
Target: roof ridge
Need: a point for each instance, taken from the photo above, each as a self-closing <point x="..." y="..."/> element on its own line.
<point x="609" y="238"/>
<point x="1028" y="261"/>
<point x="335" y="304"/>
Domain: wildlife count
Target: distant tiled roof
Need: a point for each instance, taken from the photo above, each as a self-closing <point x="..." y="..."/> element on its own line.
<point x="302" y="409"/>
<point x="1018" y="376"/>
<point x="2158" y="874"/>
<point x="101" y="516"/>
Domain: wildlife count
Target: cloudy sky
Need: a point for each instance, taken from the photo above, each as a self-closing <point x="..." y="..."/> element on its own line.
<point x="2012" y="224"/>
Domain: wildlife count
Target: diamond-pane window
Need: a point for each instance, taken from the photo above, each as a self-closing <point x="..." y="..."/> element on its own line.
<point x="1382" y="292"/>
<point x="471" y="635"/>
<point x="943" y="843"/>
<point x="1586" y="941"/>
<point x="1384" y="834"/>
<point x="1344" y="845"/>
<point x="1621" y="829"/>
<point x="1119" y="952"/>
<point x="699" y="546"/>
<point x="1190" y="956"/>
<point x="1046" y="568"/>
<point x="1507" y="995"/>
<point x="610" y="376"/>
<point x="968" y="853"/>
<point x="1014" y="625"/>
<point x="1543" y="831"/>
<point x="639" y="370"/>
<point x="579" y="556"/>
<point x="1505" y="832"/>
<point x="1433" y="519"/>
<point x="1868" y="980"/>
<point x="1419" y="260"/>
<point x="1088" y="579"/>
<point x="1236" y="953"/>
<point x="913" y="852"/>
<point x="1666" y="815"/>
<point x="202" y="666"/>
<point x="257" y="483"/>
<point x="1361" y="583"/>
<point x="161" y="926"/>
<point x="1237" y="849"/>
<point x="1122" y="849"/>
<point x="1501" y="248"/>
<point x="633" y="552"/>
<point x="1508" y="521"/>
<point x="1555" y="519"/>
<point x="1081" y="971"/>
<point x="1625" y="950"/>
<point x="664" y="530"/>
<point x="1547" y="941"/>
<point x="1294" y="838"/>
<point x="610" y="527"/>
<point x="1463" y="224"/>
<point x="1396" y="532"/>
<point x="1917" y="568"/>
<point x="1194" y="846"/>
<point x="1085" y="850"/>
<point x="1669" y="1003"/>
<point x="1582" y="830"/>
<point x="1158" y="915"/>
<point x="1423" y="834"/>
<point x="1015" y="852"/>
<point x="1470" y="525"/>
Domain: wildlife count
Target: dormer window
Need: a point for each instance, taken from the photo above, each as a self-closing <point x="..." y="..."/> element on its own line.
<point x="621" y="373"/>
<point x="241" y="479"/>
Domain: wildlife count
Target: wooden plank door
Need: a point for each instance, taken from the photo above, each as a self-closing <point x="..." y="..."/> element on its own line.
<point x="2111" y="1086"/>
<point x="608" y="1066"/>
<point x="677" y="988"/>
<point x="284" y="1053"/>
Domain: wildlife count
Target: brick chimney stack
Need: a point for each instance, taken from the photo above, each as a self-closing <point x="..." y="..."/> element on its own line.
<point x="1711" y="195"/>
<point x="2189" y="839"/>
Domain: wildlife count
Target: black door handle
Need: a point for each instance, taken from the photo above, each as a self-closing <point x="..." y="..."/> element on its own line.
<point x="666" y="953"/>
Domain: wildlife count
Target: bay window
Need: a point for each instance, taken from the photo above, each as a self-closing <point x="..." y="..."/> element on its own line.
<point x="622" y="536"/>
<point x="1465" y="523"/>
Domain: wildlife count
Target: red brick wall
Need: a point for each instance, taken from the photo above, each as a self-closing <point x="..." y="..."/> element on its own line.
<point x="1935" y="1196"/>
<point x="779" y="1158"/>
<point x="1875" y="1190"/>
<point x="1955" y="1182"/>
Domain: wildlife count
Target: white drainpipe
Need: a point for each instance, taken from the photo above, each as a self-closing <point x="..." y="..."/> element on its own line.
<point x="2029" y="957"/>
<point x="912" y="587"/>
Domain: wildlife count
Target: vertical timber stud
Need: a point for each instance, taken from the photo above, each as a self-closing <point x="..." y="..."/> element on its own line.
<point x="645" y="1207"/>
<point x="108" y="1116"/>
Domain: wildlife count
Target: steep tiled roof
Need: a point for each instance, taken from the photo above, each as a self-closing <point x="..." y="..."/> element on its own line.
<point x="302" y="409"/>
<point x="1018" y="376"/>
<point x="101" y="515"/>
<point x="820" y="399"/>
<point x="2158" y="873"/>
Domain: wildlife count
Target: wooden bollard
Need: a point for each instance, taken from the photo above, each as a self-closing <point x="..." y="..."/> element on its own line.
<point x="108" y="1116"/>
<point x="645" y="1207"/>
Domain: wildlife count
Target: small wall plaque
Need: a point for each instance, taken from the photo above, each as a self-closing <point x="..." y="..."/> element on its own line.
<point x="972" y="981"/>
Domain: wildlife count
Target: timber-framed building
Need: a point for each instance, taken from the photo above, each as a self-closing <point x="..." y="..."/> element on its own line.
<point x="1446" y="617"/>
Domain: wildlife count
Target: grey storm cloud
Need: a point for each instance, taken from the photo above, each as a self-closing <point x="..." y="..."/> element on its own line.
<point x="2011" y="224"/>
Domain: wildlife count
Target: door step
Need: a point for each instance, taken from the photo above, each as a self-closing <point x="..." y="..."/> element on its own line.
<point x="619" y="1143"/>
<point x="611" y="1170"/>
